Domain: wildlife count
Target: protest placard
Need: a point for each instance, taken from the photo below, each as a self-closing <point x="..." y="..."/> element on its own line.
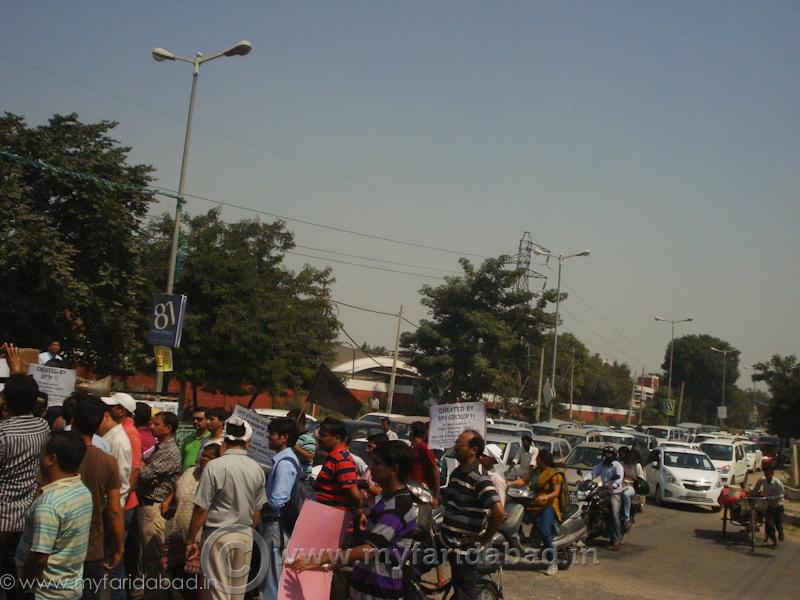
<point x="258" y="449"/>
<point x="56" y="383"/>
<point x="448" y="421"/>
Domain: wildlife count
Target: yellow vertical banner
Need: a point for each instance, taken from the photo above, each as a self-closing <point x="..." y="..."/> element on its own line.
<point x="163" y="359"/>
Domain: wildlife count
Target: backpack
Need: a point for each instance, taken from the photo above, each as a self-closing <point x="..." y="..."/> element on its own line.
<point x="301" y="491"/>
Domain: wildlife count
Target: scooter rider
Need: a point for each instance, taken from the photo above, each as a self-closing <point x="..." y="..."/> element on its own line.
<point x="633" y="470"/>
<point x="612" y="475"/>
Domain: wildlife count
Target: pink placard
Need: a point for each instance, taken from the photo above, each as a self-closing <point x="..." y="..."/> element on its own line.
<point x="319" y="527"/>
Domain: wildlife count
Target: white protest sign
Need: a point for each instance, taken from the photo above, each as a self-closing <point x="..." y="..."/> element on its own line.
<point x="258" y="449"/>
<point x="56" y="383"/>
<point x="448" y="421"/>
<point x="162" y="406"/>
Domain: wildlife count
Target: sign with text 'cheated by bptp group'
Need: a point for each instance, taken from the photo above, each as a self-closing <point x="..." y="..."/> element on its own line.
<point x="448" y="421"/>
<point x="166" y="320"/>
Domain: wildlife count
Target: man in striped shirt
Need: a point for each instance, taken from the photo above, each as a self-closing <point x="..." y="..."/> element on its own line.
<point x="470" y="497"/>
<point x="56" y="535"/>
<point x="378" y="561"/>
<point x="22" y="437"/>
<point x="336" y="485"/>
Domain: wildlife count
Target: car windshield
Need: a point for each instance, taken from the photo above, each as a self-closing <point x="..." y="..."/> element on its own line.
<point x="684" y="460"/>
<point x="573" y="440"/>
<point x="717" y="451"/>
<point x="543" y="430"/>
<point x="359" y="448"/>
<point x="541" y="445"/>
<point x="661" y="434"/>
<point x="616" y="438"/>
<point x="751" y="448"/>
<point x="584" y="457"/>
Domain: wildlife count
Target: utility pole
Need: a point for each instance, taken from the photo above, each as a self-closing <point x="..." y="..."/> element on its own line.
<point x="571" y="382"/>
<point x="539" y="393"/>
<point x="680" y="403"/>
<point x="633" y="394"/>
<point x="643" y="397"/>
<point x="394" y="361"/>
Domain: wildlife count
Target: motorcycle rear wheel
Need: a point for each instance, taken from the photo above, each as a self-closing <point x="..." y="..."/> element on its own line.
<point x="565" y="558"/>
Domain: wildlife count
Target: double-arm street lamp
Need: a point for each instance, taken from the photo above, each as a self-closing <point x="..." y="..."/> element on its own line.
<point x="160" y="55"/>
<point x="671" y="345"/>
<point x="724" y="353"/>
<point x="561" y="259"/>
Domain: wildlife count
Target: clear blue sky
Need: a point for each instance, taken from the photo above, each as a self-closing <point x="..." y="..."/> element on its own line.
<point x="663" y="136"/>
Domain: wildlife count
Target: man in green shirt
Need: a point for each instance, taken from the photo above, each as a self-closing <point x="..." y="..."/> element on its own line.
<point x="190" y="448"/>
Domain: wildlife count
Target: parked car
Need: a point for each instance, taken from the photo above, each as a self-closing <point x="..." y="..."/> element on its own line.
<point x="682" y="475"/>
<point x="666" y="433"/>
<point x="691" y="445"/>
<point x="400" y="424"/>
<point x="754" y="456"/>
<point x="509" y="445"/>
<point x="581" y="460"/>
<point x="512" y="423"/>
<point x="504" y="429"/>
<point x="274" y="413"/>
<point x="616" y="437"/>
<point x="576" y="436"/>
<point x="557" y="446"/>
<point x="729" y="459"/>
<point x="548" y="427"/>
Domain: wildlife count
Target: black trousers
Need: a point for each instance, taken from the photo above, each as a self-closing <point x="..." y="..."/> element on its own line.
<point x="92" y="570"/>
<point x="774" y="520"/>
<point x="464" y="576"/>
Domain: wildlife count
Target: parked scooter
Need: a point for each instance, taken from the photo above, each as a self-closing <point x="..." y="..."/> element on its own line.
<point x="570" y="535"/>
<point x="490" y="586"/>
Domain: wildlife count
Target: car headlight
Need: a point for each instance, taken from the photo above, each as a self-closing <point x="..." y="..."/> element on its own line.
<point x="719" y="483"/>
<point x="725" y="469"/>
<point x="670" y="477"/>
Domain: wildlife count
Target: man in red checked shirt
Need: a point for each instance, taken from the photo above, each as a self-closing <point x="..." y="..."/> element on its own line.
<point x="424" y="470"/>
<point x="336" y="486"/>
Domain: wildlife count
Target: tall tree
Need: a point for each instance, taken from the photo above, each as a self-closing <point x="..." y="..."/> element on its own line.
<point x="70" y="265"/>
<point x="476" y="339"/>
<point x="696" y="364"/>
<point x="782" y="374"/>
<point x="251" y="323"/>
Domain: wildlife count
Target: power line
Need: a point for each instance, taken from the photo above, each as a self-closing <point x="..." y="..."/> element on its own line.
<point x="232" y="137"/>
<point x="388" y="262"/>
<point x="344" y="262"/>
<point x="371" y="310"/>
<point x="355" y="343"/>
<point x="173" y="194"/>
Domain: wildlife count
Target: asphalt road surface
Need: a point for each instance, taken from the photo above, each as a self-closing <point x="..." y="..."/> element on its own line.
<point x="672" y="553"/>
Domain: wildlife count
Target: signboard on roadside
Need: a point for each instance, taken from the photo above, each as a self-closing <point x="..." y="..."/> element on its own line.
<point x="162" y="406"/>
<point x="448" y="421"/>
<point x="258" y="449"/>
<point x="722" y="412"/>
<point x="56" y="383"/>
<point x="166" y="320"/>
<point x="669" y="408"/>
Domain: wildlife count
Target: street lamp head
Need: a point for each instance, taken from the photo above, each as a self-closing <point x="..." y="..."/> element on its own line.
<point x="240" y="49"/>
<point x="689" y="319"/>
<point x="540" y="252"/>
<point x="659" y="318"/>
<point x="160" y="55"/>
<point x="585" y="253"/>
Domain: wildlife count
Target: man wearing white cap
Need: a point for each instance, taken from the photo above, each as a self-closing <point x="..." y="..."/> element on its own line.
<point x="492" y="455"/>
<point x="230" y="495"/>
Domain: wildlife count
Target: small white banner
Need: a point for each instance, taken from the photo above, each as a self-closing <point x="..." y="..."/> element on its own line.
<point x="448" y="421"/>
<point x="56" y="383"/>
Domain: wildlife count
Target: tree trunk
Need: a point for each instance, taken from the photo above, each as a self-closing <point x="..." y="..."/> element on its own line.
<point x="252" y="400"/>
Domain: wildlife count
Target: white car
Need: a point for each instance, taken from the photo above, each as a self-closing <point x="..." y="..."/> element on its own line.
<point x="681" y="445"/>
<point x="682" y="475"/>
<point x="728" y="457"/>
<point x="754" y="456"/>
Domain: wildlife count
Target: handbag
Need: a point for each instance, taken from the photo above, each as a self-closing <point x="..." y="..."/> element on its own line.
<point x="641" y="487"/>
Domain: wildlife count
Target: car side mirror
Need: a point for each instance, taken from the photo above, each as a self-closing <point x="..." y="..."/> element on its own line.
<point x="654" y="464"/>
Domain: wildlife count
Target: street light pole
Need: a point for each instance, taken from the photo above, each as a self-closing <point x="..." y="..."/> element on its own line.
<point x="561" y="259"/>
<point x="159" y="55"/>
<point x="671" y="348"/>
<point x="724" y="353"/>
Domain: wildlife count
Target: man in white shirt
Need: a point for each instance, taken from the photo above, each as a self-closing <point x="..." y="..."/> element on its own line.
<point x="492" y="455"/>
<point x="53" y="352"/>
<point x="385" y="425"/>
<point x="772" y="488"/>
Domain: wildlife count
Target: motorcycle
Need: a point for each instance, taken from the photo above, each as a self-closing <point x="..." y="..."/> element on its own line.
<point x="571" y="533"/>
<point x="598" y="509"/>
<point x="425" y="540"/>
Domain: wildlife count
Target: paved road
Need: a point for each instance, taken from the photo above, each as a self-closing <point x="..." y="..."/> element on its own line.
<point x="672" y="553"/>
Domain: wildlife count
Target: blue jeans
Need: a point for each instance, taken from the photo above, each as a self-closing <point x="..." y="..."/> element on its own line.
<point x="119" y="591"/>
<point x="273" y="561"/>
<point x="615" y="501"/>
<point x="546" y="525"/>
<point x="627" y="496"/>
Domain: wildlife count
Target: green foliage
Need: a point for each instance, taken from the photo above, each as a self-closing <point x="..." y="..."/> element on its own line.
<point x="376" y="350"/>
<point x="250" y="321"/>
<point x="70" y="265"/>
<point x="701" y="369"/>
<point x="782" y="374"/>
<point x="476" y="340"/>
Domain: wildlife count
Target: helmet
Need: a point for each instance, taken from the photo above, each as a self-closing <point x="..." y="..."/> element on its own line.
<point x="610" y="450"/>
